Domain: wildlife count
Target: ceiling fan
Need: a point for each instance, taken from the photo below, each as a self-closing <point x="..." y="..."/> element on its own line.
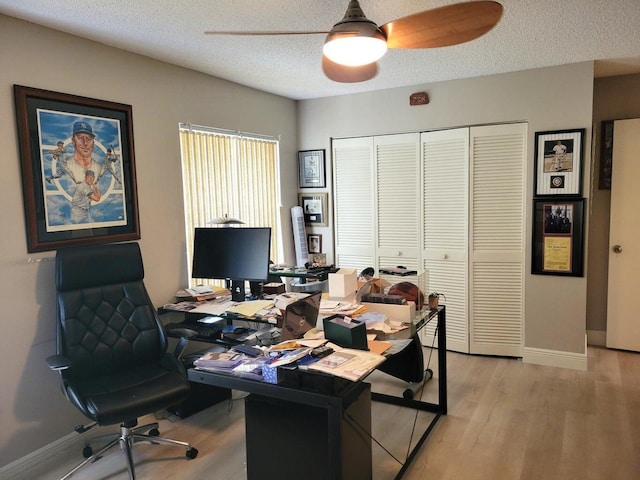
<point x="355" y="43"/>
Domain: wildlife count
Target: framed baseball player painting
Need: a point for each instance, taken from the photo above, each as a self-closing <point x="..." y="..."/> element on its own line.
<point x="78" y="169"/>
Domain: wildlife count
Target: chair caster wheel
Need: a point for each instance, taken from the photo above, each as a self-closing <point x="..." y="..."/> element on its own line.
<point x="192" y="453"/>
<point x="428" y="374"/>
<point x="154" y="432"/>
<point x="87" y="452"/>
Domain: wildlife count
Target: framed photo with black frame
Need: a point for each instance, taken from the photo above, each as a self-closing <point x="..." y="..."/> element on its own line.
<point x="558" y="162"/>
<point x="78" y="169"/>
<point x="606" y="155"/>
<point x="558" y="237"/>
<point x="314" y="207"/>
<point x="314" y="242"/>
<point x="312" y="168"/>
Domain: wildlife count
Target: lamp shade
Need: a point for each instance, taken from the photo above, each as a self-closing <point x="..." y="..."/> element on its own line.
<point x="225" y="221"/>
<point x="355" y="40"/>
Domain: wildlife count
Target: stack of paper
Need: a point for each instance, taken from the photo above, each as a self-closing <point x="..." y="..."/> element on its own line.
<point x="219" y="361"/>
<point x="334" y="307"/>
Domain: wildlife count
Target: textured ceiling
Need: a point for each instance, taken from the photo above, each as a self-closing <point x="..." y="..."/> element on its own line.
<point x="531" y="34"/>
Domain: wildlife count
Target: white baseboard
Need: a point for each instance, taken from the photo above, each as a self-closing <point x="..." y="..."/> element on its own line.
<point x="19" y="469"/>
<point x="553" y="358"/>
<point x="597" y="338"/>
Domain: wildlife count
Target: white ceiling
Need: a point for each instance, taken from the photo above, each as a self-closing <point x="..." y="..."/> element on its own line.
<point x="531" y="34"/>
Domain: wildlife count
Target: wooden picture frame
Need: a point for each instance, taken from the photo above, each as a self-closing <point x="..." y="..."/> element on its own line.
<point x="314" y="243"/>
<point x="314" y="208"/>
<point x="606" y="155"/>
<point x="558" y="237"/>
<point x="312" y="169"/>
<point x="558" y="162"/>
<point x="78" y="169"/>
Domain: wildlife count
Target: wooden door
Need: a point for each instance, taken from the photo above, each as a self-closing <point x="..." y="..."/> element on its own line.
<point x="623" y="301"/>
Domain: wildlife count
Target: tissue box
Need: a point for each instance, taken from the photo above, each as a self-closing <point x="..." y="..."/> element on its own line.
<point x="346" y="333"/>
<point x="270" y="373"/>
<point x="343" y="283"/>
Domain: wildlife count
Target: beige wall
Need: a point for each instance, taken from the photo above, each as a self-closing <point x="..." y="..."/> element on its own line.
<point x="614" y="98"/>
<point x="33" y="412"/>
<point x="548" y="99"/>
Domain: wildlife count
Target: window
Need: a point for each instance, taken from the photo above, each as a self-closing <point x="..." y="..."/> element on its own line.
<point x="230" y="173"/>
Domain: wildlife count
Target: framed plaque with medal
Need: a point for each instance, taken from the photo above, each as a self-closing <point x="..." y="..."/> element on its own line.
<point x="558" y="163"/>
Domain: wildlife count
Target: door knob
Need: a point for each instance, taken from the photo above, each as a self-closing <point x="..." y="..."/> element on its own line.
<point x="617" y="249"/>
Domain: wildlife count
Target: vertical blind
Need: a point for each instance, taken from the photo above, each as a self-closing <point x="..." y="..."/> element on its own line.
<point x="229" y="173"/>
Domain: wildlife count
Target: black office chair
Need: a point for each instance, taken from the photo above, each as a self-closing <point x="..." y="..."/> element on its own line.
<point x="111" y="347"/>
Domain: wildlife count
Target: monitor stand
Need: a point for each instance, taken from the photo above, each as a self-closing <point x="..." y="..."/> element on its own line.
<point x="237" y="290"/>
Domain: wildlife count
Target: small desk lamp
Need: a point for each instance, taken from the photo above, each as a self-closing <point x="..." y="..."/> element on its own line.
<point x="225" y="221"/>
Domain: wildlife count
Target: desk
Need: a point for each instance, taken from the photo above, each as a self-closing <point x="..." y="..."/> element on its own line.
<point x="439" y="408"/>
<point x="293" y="433"/>
<point x="321" y="420"/>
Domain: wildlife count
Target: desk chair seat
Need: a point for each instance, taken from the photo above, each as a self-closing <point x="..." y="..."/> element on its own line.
<point x="111" y="347"/>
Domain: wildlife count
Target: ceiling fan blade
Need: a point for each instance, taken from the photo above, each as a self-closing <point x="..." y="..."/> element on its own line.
<point x="444" y="26"/>
<point x="346" y="74"/>
<point x="263" y="33"/>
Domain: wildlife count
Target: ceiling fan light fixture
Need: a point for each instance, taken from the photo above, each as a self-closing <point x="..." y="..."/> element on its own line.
<point x="355" y="40"/>
<point x="347" y="48"/>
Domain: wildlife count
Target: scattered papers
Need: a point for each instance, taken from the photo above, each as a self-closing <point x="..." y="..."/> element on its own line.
<point x="214" y="308"/>
<point x="250" y="308"/>
<point x="219" y="360"/>
<point x="348" y="363"/>
<point x="333" y="307"/>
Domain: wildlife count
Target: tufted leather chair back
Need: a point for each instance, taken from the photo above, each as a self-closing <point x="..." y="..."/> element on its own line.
<point x="106" y="321"/>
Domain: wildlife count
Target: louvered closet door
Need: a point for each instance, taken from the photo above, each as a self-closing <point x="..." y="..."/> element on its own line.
<point x="397" y="161"/>
<point x="353" y="176"/>
<point x="497" y="239"/>
<point x="445" y="159"/>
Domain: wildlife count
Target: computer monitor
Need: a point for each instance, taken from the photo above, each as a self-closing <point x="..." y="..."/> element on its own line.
<point x="233" y="254"/>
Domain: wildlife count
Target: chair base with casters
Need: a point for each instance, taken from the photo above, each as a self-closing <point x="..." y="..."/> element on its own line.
<point x="129" y="435"/>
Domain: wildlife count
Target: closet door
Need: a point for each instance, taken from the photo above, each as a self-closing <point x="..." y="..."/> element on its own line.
<point x="497" y="246"/>
<point x="397" y="187"/>
<point x="354" y="212"/>
<point x="445" y="159"/>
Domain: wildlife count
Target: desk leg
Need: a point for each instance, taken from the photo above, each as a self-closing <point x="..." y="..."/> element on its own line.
<point x="291" y="440"/>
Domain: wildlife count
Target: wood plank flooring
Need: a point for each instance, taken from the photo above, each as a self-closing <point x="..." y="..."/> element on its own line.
<point x="507" y="421"/>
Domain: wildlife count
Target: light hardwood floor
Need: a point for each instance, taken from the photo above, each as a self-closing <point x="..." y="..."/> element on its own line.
<point x="507" y="421"/>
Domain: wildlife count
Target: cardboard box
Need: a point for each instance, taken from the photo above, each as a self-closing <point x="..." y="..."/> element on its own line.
<point x="343" y="283"/>
<point x="398" y="313"/>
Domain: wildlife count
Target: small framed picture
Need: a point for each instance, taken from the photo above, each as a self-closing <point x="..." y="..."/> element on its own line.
<point x="606" y="155"/>
<point x="318" y="259"/>
<point x="558" y="162"/>
<point x="311" y="164"/>
<point x="314" y="243"/>
<point x="558" y="232"/>
<point x="314" y="207"/>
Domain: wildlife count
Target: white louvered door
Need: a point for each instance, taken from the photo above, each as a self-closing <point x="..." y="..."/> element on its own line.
<point x="445" y="162"/>
<point x="397" y="161"/>
<point x="450" y="202"/>
<point x="353" y="174"/>
<point x="496" y="253"/>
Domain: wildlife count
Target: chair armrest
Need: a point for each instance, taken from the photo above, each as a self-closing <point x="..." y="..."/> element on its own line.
<point x="184" y="334"/>
<point x="58" y="362"/>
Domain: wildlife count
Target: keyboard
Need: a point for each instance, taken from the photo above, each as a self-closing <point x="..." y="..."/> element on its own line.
<point x="204" y="331"/>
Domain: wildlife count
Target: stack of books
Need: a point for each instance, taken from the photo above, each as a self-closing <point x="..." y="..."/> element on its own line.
<point x="219" y="361"/>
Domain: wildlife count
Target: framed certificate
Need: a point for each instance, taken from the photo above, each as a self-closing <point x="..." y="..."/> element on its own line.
<point x="558" y="237"/>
